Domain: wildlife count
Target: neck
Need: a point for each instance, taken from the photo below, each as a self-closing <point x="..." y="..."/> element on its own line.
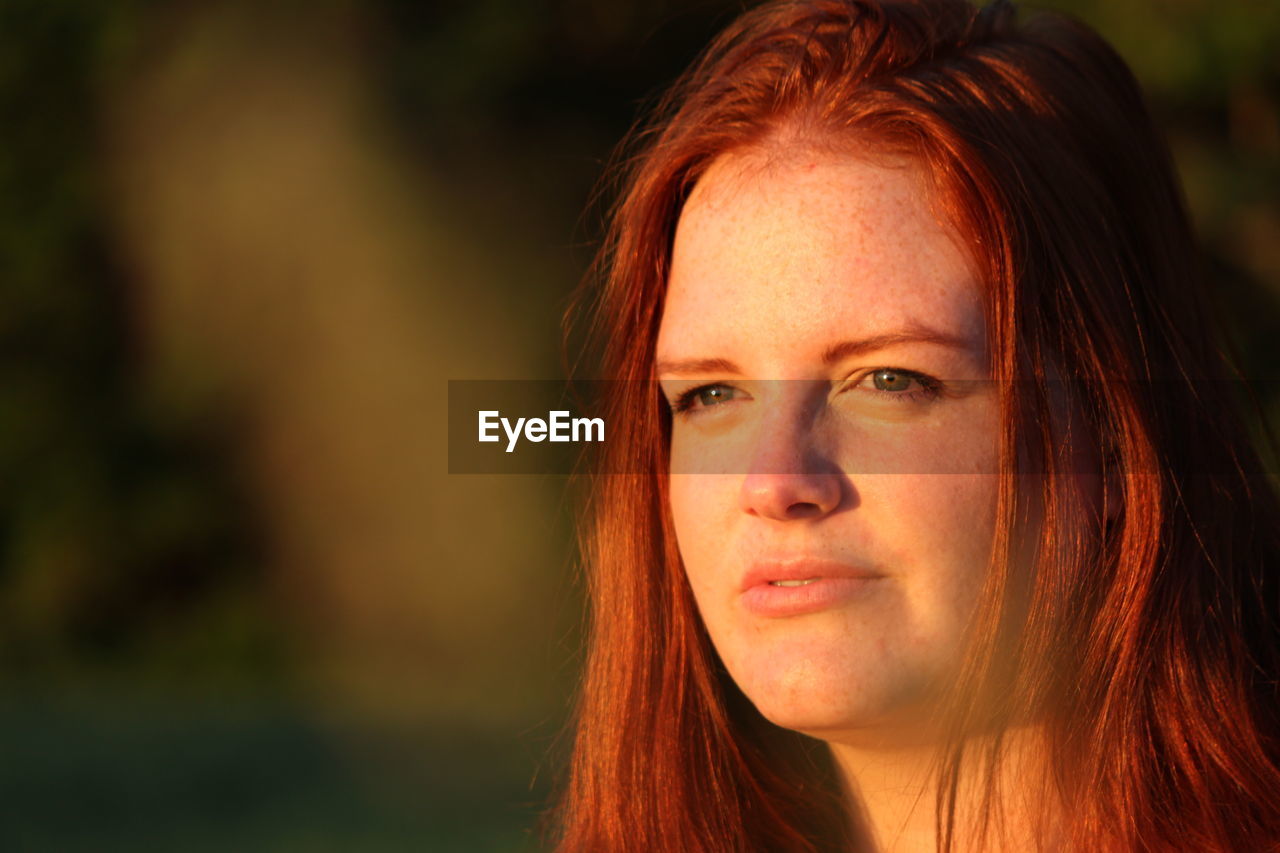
<point x="894" y="791"/>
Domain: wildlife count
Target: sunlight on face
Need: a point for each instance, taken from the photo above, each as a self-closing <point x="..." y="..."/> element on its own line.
<point x="823" y="348"/>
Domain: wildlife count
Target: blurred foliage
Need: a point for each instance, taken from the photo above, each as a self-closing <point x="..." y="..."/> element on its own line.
<point x="1212" y="75"/>
<point x="127" y="538"/>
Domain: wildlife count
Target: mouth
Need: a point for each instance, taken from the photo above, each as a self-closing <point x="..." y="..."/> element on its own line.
<point x="790" y="572"/>
<point x="786" y="587"/>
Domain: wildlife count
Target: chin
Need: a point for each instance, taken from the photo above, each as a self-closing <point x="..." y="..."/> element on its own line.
<point x="834" y="696"/>
<point x="813" y="703"/>
<point x="863" y="726"/>
<point x="824" y="724"/>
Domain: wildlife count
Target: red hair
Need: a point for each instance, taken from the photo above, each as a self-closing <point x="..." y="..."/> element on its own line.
<point x="1148" y="647"/>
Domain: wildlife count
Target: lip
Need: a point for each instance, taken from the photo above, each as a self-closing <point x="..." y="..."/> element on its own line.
<point x="831" y="584"/>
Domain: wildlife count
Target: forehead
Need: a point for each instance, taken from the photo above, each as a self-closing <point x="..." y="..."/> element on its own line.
<point x="782" y="253"/>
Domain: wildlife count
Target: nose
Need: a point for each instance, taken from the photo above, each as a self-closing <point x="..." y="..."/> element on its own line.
<point x="787" y="481"/>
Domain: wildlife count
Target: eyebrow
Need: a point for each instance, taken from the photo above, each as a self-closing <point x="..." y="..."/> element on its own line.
<point x="831" y="356"/>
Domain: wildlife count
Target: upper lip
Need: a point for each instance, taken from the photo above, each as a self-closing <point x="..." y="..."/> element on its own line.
<point x="800" y="568"/>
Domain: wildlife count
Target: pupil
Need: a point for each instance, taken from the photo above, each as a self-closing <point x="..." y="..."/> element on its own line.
<point x="714" y="395"/>
<point x="887" y="380"/>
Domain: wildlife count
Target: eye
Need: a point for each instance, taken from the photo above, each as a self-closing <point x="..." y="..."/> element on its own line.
<point x="705" y="397"/>
<point x="902" y="385"/>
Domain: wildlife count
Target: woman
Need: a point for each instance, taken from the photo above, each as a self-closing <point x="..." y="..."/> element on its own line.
<point x="946" y="533"/>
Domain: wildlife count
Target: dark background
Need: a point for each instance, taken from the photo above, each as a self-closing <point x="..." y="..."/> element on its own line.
<point x="243" y="247"/>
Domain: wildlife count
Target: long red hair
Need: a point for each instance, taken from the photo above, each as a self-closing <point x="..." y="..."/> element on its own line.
<point x="1148" y="646"/>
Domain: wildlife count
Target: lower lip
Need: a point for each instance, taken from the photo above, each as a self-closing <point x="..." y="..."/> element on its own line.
<point x="821" y="594"/>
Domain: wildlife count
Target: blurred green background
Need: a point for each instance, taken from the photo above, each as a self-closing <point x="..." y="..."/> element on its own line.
<point x="242" y="249"/>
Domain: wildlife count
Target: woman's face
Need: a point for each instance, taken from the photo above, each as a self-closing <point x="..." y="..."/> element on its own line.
<point x="834" y="443"/>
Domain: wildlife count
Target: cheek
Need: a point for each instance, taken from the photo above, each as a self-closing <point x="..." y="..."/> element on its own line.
<point x="955" y="511"/>
<point x="937" y="530"/>
<point x="702" y="510"/>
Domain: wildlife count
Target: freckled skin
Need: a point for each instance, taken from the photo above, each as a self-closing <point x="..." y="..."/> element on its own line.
<point x="775" y="259"/>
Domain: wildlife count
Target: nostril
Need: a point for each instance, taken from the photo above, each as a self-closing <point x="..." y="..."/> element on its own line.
<point x="785" y="497"/>
<point x="804" y="510"/>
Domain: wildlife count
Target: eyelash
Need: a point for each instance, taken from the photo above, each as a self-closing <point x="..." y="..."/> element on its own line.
<point x="929" y="389"/>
